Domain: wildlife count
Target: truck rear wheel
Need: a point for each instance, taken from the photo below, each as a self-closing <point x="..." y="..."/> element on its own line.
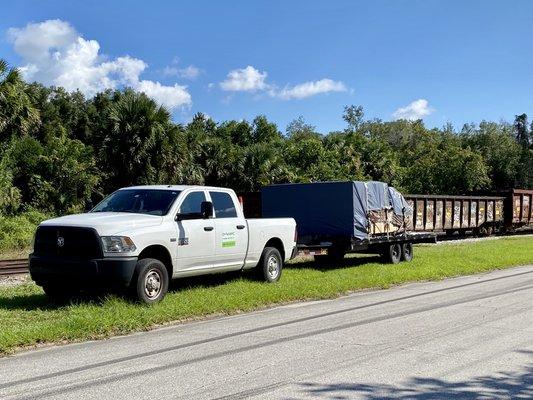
<point x="407" y="252"/>
<point x="270" y="265"/>
<point x="393" y="253"/>
<point x="150" y="281"/>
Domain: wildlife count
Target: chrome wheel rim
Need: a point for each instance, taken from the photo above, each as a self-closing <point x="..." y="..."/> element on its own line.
<point x="407" y="251"/>
<point x="273" y="267"/>
<point x="152" y="284"/>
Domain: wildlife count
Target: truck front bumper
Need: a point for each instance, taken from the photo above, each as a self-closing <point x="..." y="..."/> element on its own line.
<point x="105" y="271"/>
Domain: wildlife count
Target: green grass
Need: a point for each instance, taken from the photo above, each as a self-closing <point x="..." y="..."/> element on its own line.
<point x="26" y="318"/>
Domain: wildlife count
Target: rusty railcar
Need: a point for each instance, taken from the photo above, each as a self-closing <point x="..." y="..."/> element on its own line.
<point x="519" y="209"/>
<point x="441" y="213"/>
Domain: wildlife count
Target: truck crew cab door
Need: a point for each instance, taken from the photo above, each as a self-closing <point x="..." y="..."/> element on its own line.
<point x="195" y="243"/>
<point x="231" y="236"/>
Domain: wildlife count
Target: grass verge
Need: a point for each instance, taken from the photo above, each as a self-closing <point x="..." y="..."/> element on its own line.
<point x="26" y="318"/>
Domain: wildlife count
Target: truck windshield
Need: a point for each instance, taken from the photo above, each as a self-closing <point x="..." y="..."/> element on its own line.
<point x="141" y="201"/>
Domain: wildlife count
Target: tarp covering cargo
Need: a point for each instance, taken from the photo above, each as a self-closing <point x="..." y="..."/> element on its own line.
<point x="337" y="209"/>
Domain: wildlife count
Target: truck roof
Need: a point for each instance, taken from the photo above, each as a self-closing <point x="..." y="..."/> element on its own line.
<point x="174" y="187"/>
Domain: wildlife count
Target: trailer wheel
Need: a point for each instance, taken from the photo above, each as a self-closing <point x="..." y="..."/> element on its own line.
<point x="270" y="265"/>
<point x="150" y="281"/>
<point x="393" y="253"/>
<point x="407" y="252"/>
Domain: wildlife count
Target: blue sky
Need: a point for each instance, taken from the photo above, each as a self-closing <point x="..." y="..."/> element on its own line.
<point x="444" y="61"/>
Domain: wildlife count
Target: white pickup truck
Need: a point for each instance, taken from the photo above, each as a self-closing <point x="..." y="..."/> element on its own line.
<point x="141" y="237"/>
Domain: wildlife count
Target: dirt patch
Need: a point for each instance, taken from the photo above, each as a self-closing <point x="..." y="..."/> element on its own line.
<point x="14" y="280"/>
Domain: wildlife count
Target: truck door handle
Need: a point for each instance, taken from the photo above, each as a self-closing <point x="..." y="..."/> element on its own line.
<point x="208" y="228"/>
<point x="240" y="226"/>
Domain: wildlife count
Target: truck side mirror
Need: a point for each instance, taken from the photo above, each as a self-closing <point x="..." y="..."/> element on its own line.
<point x="207" y="209"/>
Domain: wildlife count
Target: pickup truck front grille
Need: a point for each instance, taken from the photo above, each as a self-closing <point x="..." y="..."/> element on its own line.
<point x="67" y="241"/>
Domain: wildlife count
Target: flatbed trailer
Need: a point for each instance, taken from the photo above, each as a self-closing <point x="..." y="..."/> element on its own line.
<point x="393" y="249"/>
<point x="336" y="218"/>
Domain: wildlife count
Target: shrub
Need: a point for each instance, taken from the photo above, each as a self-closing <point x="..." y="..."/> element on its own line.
<point x="16" y="232"/>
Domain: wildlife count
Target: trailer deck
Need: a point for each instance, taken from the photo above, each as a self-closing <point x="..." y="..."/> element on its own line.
<point x="375" y="243"/>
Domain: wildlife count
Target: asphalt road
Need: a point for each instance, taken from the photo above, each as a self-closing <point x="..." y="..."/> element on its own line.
<point x="468" y="338"/>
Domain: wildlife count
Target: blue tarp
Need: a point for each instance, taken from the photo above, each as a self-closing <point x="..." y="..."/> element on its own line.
<point x="331" y="209"/>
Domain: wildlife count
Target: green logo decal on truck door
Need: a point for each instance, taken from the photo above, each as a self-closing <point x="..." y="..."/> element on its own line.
<point x="228" y="239"/>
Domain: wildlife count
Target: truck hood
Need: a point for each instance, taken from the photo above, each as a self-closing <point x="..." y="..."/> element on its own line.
<point x="107" y="223"/>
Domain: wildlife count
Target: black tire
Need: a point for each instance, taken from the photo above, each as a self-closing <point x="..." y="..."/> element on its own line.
<point x="270" y="265"/>
<point x="150" y="281"/>
<point x="407" y="252"/>
<point x="393" y="253"/>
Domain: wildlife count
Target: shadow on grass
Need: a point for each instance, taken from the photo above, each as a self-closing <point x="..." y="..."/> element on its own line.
<point x="26" y="302"/>
<point x="39" y="301"/>
<point x="207" y="281"/>
<point x="502" y="385"/>
<point x="347" y="262"/>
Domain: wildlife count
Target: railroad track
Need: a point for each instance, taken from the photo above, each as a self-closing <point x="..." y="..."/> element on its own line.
<point x="13" y="267"/>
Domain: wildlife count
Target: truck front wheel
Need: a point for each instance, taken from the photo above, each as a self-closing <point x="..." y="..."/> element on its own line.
<point x="150" y="281"/>
<point x="270" y="265"/>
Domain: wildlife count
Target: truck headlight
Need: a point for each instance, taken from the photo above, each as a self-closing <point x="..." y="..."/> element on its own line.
<point x="117" y="244"/>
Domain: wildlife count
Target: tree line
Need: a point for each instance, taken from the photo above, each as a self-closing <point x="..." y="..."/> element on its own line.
<point x="60" y="151"/>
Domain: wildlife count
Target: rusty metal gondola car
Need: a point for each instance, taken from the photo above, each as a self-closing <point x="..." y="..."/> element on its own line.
<point x="518" y="207"/>
<point x="482" y="215"/>
<point x="441" y="213"/>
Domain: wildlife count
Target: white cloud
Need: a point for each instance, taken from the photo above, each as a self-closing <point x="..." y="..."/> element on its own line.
<point x="250" y="79"/>
<point x="190" y="72"/>
<point x="55" y="54"/>
<point x="417" y="109"/>
<point x="308" y="89"/>
<point x="246" y="79"/>
<point x="171" y="96"/>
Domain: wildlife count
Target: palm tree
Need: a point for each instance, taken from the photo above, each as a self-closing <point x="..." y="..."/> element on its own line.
<point x="8" y="75"/>
<point x="17" y="114"/>
<point x="137" y="129"/>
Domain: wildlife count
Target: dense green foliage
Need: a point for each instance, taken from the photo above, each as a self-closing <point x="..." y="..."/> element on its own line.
<point x="28" y="318"/>
<point x="60" y="151"/>
<point x="16" y="233"/>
